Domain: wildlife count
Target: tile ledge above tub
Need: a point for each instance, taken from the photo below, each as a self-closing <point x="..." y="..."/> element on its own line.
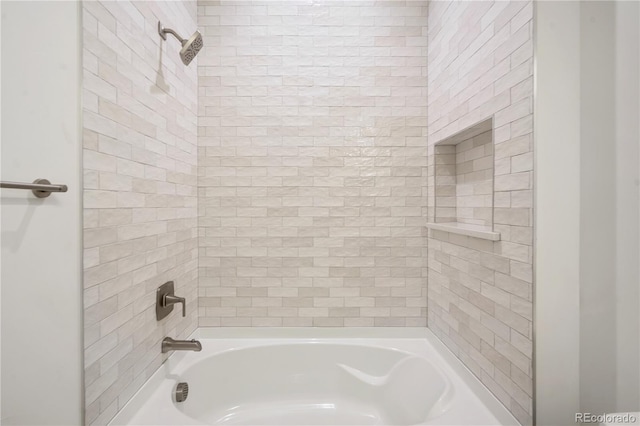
<point x="469" y="230"/>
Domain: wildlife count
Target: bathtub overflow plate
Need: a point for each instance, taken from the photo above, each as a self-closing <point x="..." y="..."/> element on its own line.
<point x="182" y="392"/>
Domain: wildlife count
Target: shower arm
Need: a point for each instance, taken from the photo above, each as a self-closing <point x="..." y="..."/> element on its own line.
<point x="190" y="46"/>
<point x="163" y="33"/>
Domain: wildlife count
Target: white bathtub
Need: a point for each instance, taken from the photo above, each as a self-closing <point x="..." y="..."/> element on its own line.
<point x="315" y="377"/>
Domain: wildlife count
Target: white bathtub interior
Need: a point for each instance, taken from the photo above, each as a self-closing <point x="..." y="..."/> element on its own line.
<point x="334" y="377"/>
<point x="314" y="383"/>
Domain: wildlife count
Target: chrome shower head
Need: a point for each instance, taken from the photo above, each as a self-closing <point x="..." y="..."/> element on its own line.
<point x="190" y="47"/>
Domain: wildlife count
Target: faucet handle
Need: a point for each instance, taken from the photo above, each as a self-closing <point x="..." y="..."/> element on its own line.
<point x="169" y="299"/>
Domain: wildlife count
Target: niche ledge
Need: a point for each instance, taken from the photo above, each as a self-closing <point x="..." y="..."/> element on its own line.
<point x="476" y="231"/>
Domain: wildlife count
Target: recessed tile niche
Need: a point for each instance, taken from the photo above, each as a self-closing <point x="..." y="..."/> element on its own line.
<point x="464" y="182"/>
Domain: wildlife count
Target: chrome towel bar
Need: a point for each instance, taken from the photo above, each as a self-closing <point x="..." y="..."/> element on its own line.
<point x="41" y="188"/>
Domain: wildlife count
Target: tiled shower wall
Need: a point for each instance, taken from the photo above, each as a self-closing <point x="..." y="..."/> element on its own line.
<point x="140" y="181"/>
<point x="474" y="180"/>
<point x="480" y="292"/>
<point x="464" y="181"/>
<point x="312" y="139"/>
<point x="310" y="195"/>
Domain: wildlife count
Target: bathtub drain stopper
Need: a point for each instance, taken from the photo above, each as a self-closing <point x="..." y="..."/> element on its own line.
<point x="182" y="391"/>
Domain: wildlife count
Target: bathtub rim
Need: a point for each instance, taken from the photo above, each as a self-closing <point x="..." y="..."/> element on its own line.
<point x="354" y="334"/>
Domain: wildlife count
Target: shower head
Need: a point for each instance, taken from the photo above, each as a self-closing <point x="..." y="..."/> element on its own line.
<point x="190" y="47"/>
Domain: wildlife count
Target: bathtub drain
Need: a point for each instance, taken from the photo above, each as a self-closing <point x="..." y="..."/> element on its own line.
<point x="182" y="391"/>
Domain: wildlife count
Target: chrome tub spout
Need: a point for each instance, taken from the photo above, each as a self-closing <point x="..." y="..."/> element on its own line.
<point x="169" y="344"/>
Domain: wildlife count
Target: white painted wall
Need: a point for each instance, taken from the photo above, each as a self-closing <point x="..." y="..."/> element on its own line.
<point x="41" y="239"/>
<point x="557" y="206"/>
<point x="0" y="218"/>
<point x="598" y="206"/>
<point x="627" y="172"/>
<point x="587" y="143"/>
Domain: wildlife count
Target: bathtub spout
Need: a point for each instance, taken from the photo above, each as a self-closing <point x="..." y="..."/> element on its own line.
<point x="169" y="344"/>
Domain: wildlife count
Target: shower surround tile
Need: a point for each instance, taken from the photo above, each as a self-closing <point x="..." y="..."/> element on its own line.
<point x="312" y="163"/>
<point x="301" y="198"/>
<point x="480" y="65"/>
<point x="140" y="188"/>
